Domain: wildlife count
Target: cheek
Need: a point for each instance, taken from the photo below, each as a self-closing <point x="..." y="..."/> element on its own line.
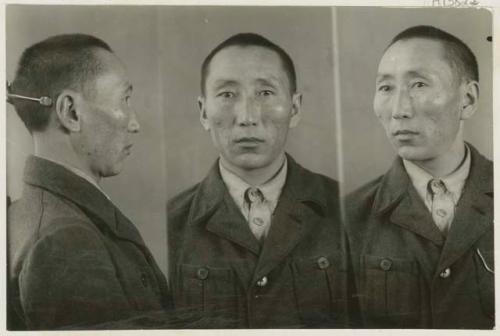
<point x="380" y="107"/>
<point x="277" y="113"/>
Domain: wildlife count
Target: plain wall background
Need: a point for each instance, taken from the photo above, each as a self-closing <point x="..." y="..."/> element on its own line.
<point x="140" y="190"/>
<point x="187" y="37"/>
<point x="163" y="48"/>
<point x="364" y="35"/>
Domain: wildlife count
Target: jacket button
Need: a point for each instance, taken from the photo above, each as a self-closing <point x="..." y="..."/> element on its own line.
<point x="385" y="264"/>
<point x="144" y="279"/>
<point x="262" y="282"/>
<point x="446" y="273"/>
<point x="202" y="273"/>
<point x="323" y="262"/>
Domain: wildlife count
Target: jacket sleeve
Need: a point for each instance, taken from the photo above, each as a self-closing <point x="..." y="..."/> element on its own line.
<point x="68" y="279"/>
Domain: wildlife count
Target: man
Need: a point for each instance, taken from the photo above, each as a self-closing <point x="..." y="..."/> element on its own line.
<point x="74" y="259"/>
<point x="257" y="243"/>
<point x="422" y="234"/>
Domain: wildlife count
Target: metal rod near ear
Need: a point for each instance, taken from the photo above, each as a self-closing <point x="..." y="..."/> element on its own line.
<point x="44" y="100"/>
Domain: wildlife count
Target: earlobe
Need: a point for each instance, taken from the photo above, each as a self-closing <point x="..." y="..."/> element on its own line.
<point x="296" y="109"/>
<point x="203" y="113"/>
<point x="470" y="100"/>
<point x="67" y="112"/>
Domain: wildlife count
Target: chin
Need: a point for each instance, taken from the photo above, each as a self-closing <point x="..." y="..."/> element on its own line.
<point x="250" y="161"/>
<point x="413" y="153"/>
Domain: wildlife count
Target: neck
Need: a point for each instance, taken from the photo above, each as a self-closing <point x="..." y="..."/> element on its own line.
<point x="255" y="177"/>
<point x="446" y="163"/>
<point x="57" y="147"/>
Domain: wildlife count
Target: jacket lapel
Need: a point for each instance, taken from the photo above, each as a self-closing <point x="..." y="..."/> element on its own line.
<point x="228" y="223"/>
<point x="474" y="215"/>
<point x="287" y="229"/>
<point x="398" y="196"/>
<point x="398" y="199"/>
<point x="292" y="219"/>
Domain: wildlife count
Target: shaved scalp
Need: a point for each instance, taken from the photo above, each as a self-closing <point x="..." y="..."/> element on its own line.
<point x="461" y="59"/>
<point x="254" y="40"/>
<point x="50" y="66"/>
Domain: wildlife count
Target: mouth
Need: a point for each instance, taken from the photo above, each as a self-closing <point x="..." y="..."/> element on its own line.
<point x="403" y="134"/>
<point x="249" y="141"/>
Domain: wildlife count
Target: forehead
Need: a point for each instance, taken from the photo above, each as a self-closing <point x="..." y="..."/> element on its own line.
<point x="113" y="74"/>
<point x="414" y="55"/>
<point x="246" y="62"/>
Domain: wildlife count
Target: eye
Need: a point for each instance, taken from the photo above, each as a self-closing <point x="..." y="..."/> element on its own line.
<point x="266" y="93"/>
<point x="127" y="100"/>
<point x="384" y="88"/>
<point x="419" y="84"/>
<point x="226" y="94"/>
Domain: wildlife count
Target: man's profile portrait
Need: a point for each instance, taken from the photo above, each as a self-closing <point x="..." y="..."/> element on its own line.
<point x="74" y="259"/>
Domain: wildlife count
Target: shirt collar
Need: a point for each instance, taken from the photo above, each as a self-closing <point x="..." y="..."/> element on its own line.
<point x="237" y="186"/>
<point x="454" y="182"/>
<point x="79" y="173"/>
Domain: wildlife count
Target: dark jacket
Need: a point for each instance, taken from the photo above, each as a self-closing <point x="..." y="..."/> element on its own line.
<point x="218" y="268"/>
<point x="408" y="275"/>
<point x="74" y="259"/>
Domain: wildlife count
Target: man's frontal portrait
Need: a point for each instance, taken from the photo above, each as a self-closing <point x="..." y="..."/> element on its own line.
<point x="260" y="235"/>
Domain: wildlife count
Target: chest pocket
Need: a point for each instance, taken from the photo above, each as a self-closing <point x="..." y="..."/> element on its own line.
<point x="320" y="286"/>
<point x="486" y="280"/>
<point x="390" y="291"/>
<point x="207" y="292"/>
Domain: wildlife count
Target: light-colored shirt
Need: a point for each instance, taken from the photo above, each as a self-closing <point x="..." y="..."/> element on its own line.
<point x="271" y="190"/>
<point x="79" y="173"/>
<point x="454" y="182"/>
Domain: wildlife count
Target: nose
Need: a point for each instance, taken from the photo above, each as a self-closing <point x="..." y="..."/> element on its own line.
<point x="133" y="123"/>
<point x="402" y="105"/>
<point x="247" y="112"/>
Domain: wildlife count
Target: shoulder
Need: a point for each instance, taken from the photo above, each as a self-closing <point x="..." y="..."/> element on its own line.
<point x="36" y="214"/>
<point x="359" y="203"/>
<point x="182" y="201"/>
<point x="308" y="179"/>
<point x="365" y="193"/>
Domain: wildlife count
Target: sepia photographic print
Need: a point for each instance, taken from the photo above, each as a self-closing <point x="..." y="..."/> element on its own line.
<point x="228" y="167"/>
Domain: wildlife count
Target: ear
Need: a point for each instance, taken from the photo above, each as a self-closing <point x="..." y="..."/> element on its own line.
<point x="203" y="113"/>
<point x="296" y="109"/>
<point x="470" y="99"/>
<point x="67" y="111"/>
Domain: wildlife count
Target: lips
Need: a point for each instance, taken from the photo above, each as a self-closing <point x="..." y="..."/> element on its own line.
<point x="404" y="132"/>
<point x="249" y="140"/>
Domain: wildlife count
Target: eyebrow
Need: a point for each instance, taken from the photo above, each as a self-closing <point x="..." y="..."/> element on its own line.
<point x="411" y="74"/>
<point x="265" y="81"/>
<point x="383" y="77"/>
<point x="220" y="83"/>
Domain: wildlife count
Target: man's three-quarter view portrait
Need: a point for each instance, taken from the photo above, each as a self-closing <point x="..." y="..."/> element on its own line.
<point x="249" y="167"/>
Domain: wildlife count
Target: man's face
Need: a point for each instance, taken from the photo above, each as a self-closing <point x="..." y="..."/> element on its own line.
<point x="248" y="107"/>
<point x="419" y="99"/>
<point x="107" y="119"/>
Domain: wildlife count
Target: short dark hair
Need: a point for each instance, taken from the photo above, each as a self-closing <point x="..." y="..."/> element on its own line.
<point x="251" y="39"/>
<point x="457" y="53"/>
<point x="46" y="68"/>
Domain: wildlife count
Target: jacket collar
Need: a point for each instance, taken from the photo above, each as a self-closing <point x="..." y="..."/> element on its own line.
<point x="213" y="205"/>
<point x="59" y="180"/>
<point x="211" y="191"/>
<point x="474" y="210"/>
<point x="395" y="183"/>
